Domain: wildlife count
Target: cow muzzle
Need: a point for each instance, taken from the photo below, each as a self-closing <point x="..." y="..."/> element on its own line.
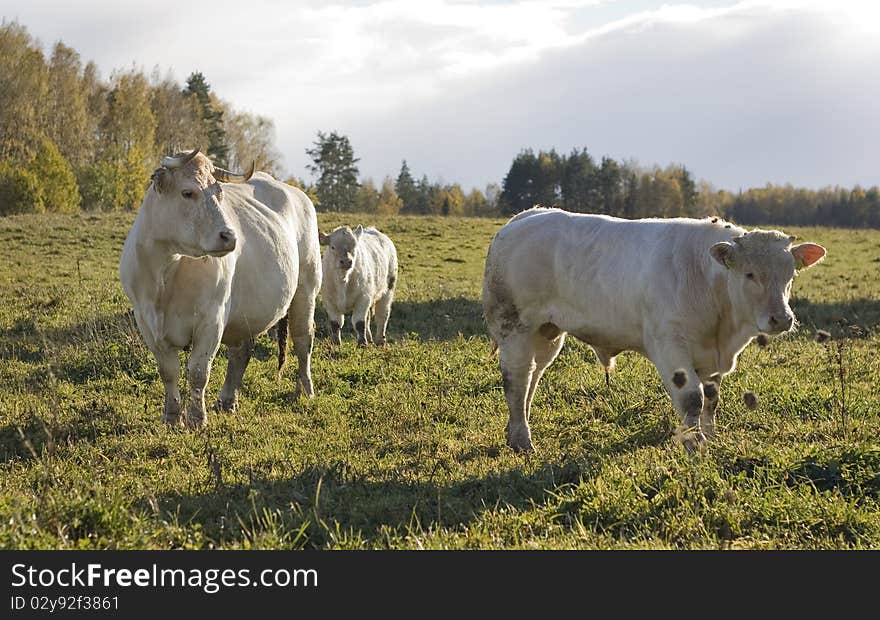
<point x="226" y="242"/>
<point x="777" y="322"/>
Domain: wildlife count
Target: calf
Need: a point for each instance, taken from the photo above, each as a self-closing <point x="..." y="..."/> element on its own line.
<point x="688" y="294"/>
<point x="360" y="270"/>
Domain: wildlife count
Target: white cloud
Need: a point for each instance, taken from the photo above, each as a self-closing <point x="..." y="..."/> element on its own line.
<point x="742" y="95"/>
<point x="458" y="87"/>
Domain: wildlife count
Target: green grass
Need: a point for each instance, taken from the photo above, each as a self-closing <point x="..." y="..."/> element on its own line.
<point x="403" y="447"/>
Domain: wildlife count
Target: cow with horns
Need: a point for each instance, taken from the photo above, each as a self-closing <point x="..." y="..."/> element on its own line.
<point x="688" y="294"/>
<point x="214" y="256"/>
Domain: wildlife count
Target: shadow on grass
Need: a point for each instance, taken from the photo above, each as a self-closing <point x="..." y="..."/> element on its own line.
<point x="104" y="326"/>
<point x="91" y="350"/>
<point x="435" y="319"/>
<point x="332" y="499"/>
<point x="97" y="348"/>
<point x="37" y="437"/>
<point x="829" y="315"/>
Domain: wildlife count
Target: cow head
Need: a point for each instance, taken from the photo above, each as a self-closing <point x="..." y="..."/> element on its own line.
<point x="186" y="209"/>
<point x="343" y="246"/>
<point x="762" y="265"/>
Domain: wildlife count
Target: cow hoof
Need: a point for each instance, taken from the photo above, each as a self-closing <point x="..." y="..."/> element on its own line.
<point x="171" y="419"/>
<point x="300" y="392"/>
<point x="520" y="441"/>
<point x="228" y="406"/>
<point x="693" y="442"/>
<point x="521" y="448"/>
<point x="195" y="421"/>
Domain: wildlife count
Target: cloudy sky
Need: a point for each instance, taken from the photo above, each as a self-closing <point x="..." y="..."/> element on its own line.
<point x="743" y="93"/>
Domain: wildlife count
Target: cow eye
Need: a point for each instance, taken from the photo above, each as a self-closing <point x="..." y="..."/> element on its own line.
<point x="188" y="194"/>
<point x="750" y="276"/>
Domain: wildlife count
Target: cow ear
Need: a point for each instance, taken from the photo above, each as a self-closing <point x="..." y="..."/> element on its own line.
<point x="807" y="254"/>
<point x="161" y="180"/>
<point x="323" y="238"/>
<point x="723" y="253"/>
<point x="358" y="231"/>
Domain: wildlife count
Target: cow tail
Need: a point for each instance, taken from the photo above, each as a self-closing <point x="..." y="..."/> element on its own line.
<point x="281" y="329"/>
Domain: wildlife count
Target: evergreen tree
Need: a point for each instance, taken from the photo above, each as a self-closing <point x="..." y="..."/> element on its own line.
<point x="532" y="180"/>
<point x="425" y="193"/>
<point x="548" y="179"/>
<point x="333" y="163"/>
<point x="688" y="189"/>
<point x="610" y="187"/>
<point x="578" y="183"/>
<point x="405" y="186"/>
<point x="212" y="116"/>
<point x="517" y="193"/>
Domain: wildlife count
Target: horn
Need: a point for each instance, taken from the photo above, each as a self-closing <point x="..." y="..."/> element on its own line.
<point x="233" y="177"/>
<point x="179" y="160"/>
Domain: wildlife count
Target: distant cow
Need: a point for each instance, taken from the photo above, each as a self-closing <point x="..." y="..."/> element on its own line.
<point x="360" y="270"/>
<point x="216" y="257"/>
<point x="688" y="294"/>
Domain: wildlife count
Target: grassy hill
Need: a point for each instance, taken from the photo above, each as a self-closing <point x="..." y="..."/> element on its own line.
<point x="403" y="447"/>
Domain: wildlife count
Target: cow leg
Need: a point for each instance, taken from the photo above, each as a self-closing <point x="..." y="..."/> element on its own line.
<point x="711" y="394"/>
<point x="206" y="341"/>
<point x="546" y="351"/>
<point x="517" y="359"/>
<point x="169" y="371"/>
<point x="238" y="360"/>
<point x="302" y="326"/>
<point x="685" y="389"/>
<point x="383" y="312"/>
<point x="337" y="320"/>
<point x="360" y="317"/>
<point x="369" y="332"/>
<point x="606" y="358"/>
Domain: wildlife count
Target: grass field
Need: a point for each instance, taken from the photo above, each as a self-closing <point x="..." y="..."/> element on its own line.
<point x="403" y="447"/>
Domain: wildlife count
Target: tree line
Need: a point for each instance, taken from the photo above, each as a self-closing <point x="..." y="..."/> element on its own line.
<point x="577" y="182"/>
<point x="337" y="188"/>
<point x="70" y="140"/>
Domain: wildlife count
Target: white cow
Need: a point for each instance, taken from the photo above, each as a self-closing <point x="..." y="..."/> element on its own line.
<point x="219" y="257"/>
<point x="688" y="294"/>
<point x="360" y="271"/>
